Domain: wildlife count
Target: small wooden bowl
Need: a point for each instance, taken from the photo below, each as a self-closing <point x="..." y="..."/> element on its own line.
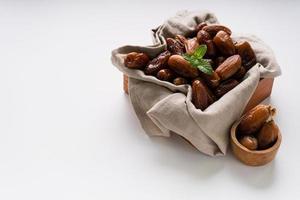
<point x="249" y="157"/>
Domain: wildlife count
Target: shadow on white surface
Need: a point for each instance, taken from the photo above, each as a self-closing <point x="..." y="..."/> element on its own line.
<point x="178" y="155"/>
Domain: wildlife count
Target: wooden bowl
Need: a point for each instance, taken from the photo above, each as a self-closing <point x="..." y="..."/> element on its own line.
<point x="250" y="157"/>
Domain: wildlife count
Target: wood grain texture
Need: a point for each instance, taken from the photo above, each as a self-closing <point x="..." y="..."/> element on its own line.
<point x="250" y="157"/>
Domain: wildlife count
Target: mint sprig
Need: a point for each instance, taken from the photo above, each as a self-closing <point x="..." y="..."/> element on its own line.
<point x="196" y="60"/>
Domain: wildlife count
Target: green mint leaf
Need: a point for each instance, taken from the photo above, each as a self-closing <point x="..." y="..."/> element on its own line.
<point x="200" y="51"/>
<point x="205" y="67"/>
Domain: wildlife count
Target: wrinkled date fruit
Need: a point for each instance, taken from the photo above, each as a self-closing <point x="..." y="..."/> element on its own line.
<point x="157" y="63"/>
<point x="203" y="37"/>
<point x="179" y="81"/>
<point x="244" y="49"/>
<point x="200" y="96"/>
<point x="200" y="26"/>
<point x="267" y="135"/>
<point x="225" y="87"/>
<point x="212" y="80"/>
<point x="229" y="67"/>
<point x="240" y="73"/>
<point x="249" y="142"/>
<point x="191" y="45"/>
<point x="253" y="120"/>
<point x="215" y="28"/>
<point x="136" y="60"/>
<point x="224" y="43"/>
<point x="174" y="46"/>
<point x="165" y="74"/>
<point x="182" y="67"/>
<point x="181" y="39"/>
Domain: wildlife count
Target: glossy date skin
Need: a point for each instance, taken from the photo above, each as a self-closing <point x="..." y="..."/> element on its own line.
<point x="157" y="63"/>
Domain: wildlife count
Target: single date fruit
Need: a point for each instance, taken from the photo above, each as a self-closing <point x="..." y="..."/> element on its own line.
<point x="175" y="46"/>
<point x="249" y="142"/>
<point x="229" y="67"/>
<point x="213" y="29"/>
<point x="182" y="67"/>
<point x="200" y="95"/>
<point x="157" y="63"/>
<point x="224" y="43"/>
<point x="253" y="120"/>
<point x="165" y="74"/>
<point x="244" y="49"/>
<point x="267" y="135"/>
<point x="180" y="81"/>
<point x="135" y="60"/>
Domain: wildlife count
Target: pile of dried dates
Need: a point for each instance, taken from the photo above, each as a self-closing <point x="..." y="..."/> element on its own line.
<point x="209" y="60"/>
<point x="257" y="130"/>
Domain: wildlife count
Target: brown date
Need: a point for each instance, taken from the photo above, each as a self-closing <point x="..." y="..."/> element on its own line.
<point x="225" y="87"/>
<point x="224" y="43"/>
<point x="254" y="119"/>
<point x="182" y="67"/>
<point x="244" y="49"/>
<point x="203" y="36"/>
<point x="229" y="67"/>
<point x="157" y="63"/>
<point x="191" y="45"/>
<point x="175" y="46"/>
<point x="213" y="29"/>
<point x="165" y="74"/>
<point x="200" y="26"/>
<point x="200" y="95"/>
<point x="212" y="80"/>
<point x="135" y="60"/>
<point x="249" y="142"/>
<point x="267" y="135"/>
<point x="179" y="81"/>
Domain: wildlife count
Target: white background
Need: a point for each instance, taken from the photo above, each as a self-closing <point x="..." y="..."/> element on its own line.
<point x="67" y="131"/>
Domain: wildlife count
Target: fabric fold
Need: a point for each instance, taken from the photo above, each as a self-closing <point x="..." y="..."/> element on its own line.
<point x="164" y="108"/>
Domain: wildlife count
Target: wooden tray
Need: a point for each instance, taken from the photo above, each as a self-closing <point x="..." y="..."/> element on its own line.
<point x="263" y="90"/>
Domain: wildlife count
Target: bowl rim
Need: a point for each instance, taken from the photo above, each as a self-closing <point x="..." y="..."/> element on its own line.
<point x="233" y="138"/>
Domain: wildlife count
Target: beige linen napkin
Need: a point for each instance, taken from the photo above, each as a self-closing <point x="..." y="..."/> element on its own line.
<point x="163" y="108"/>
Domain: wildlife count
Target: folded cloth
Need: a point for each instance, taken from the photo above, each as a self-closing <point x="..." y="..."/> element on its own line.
<point x="164" y="108"/>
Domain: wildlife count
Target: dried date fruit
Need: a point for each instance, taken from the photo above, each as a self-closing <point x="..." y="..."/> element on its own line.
<point x="224" y="43"/>
<point x="249" y="142"/>
<point x="212" y="80"/>
<point x="135" y="60"/>
<point x="244" y="49"/>
<point x="181" y="39"/>
<point x="203" y="37"/>
<point x="225" y="87"/>
<point x="229" y="67"/>
<point x="213" y="29"/>
<point x="179" y="81"/>
<point x="174" y="46"/>
<point x="253" y="120"/>
<point x="157" y="63"/>
<point x="165" y="74"/>
<point x="200" y="26"/>
<point x="191" y="45"/>
<point x="200" y="95"/>
<point x="267" y="135"/>
<point x="182" y="67"/>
